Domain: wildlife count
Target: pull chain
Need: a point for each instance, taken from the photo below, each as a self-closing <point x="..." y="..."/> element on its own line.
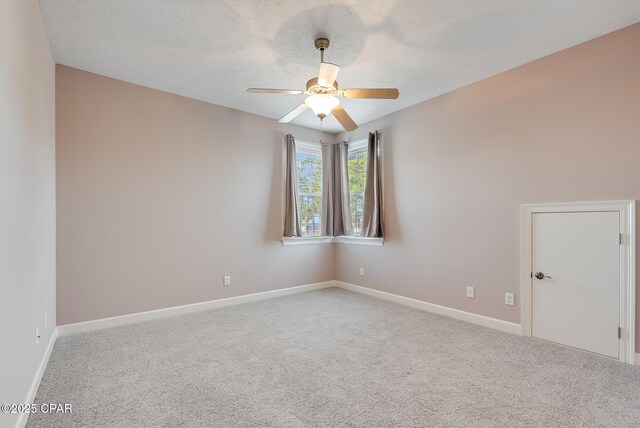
<point x="322" y="143"/>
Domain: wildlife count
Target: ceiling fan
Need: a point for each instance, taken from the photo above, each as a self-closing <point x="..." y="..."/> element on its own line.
<point x="323" y="93"/>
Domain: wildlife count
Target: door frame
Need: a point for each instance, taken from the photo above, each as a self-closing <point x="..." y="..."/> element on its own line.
<point x="627" y="210"/>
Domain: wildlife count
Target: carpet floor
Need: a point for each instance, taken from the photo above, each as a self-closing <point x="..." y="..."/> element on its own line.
<point x="329" y="358"/>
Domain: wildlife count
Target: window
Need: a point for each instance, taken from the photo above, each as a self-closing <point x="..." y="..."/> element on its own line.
<point x="309" y="161"/>
<point x="357" y="166"/>
<point x="310" y="170"/>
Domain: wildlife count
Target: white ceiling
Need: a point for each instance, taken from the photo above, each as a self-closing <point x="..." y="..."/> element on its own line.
<point x="212" y="50"/>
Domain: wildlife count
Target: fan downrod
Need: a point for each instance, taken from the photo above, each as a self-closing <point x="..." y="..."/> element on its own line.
<point x="322" y="44"/>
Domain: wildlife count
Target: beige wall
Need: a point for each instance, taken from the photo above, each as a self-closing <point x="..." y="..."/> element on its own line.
<point x="160" y="196"/>
<point x="457" y="167"/>
<point x="27" y="198"/>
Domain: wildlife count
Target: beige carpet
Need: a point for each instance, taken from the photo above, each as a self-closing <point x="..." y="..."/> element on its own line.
<point x="329" y="358"/>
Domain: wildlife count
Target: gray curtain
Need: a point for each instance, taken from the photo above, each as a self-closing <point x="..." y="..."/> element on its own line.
<point x="372" y="209"/>
<point x="291" y="211"/>
<point x="340" y="205"/>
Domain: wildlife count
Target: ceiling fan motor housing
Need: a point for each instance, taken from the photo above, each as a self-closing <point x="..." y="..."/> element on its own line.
<point x="313" y="88"/>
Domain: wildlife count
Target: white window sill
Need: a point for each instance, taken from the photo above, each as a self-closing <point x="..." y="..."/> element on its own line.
<point x="359" y="240"/>
<point x="304" y="240"/>
<point x="355" y="240"/>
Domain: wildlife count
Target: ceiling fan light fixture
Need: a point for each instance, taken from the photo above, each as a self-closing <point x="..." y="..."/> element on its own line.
<point x="322" y="104"/>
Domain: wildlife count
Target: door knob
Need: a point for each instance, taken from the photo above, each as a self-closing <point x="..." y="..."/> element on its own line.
<point x="541" y="275"/>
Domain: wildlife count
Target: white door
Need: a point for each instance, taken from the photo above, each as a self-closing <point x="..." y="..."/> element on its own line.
<point x="576" y="280"/>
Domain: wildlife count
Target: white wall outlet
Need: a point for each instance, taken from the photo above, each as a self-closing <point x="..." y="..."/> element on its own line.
<point x="509" y="299"/>
<point x="471" y="292"/>
<point x="361" y="271"/>
<point x="37" y="336"/>
<point x="227" y="280"/>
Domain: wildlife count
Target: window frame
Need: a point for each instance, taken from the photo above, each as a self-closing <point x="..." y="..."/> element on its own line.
<point x="312" y="148"/>
<point x="355" y="147"/>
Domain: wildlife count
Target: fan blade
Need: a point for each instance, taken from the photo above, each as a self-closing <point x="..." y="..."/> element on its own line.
<point x="344" y="119"/>
<point x="380" y="93"/>
<point x="328" y="73"/>
<point x="274" y="91"/>
<point x="293" y="113"/>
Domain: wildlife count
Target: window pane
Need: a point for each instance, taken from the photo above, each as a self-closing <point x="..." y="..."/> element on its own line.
<point x="357" y="178"/>
<point x="310" y="209"/>
<point x="310" y="191"/>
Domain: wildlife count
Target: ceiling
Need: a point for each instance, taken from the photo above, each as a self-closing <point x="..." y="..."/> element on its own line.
<point x="213" y="50"/>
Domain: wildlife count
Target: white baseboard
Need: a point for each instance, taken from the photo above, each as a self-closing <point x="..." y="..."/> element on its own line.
<point x="482" y="320"/>
<point x="637" y="359"/>
<point x="68" y="329"/>
<point x="99" y="324"/>
<point x="37" y="378"/>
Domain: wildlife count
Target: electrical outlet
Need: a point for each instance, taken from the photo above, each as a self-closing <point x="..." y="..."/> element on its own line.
<point x="361" y="271"/>
<point x="471" y="292"/>
<point x="227" y="280"/>
<point x="509" y="299"/>
<point x="37" y="336"/>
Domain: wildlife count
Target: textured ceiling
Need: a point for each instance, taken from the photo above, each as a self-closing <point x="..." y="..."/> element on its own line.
<point x="213" y="50"/>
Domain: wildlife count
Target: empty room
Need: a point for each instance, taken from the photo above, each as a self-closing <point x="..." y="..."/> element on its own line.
<point x="293" y="213"/>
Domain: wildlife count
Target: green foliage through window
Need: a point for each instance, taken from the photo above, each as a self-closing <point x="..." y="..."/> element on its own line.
<point x="310" y="191"/>
<point x="357" y="165"/>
